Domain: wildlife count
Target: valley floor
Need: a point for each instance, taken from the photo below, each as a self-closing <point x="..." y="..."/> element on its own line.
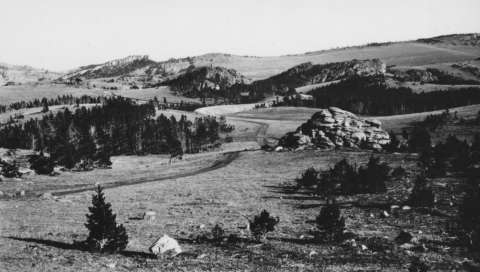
<point x="37" y="233"/>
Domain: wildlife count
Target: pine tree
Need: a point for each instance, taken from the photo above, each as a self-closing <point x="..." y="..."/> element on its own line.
<point x="105" y="235"/>
<point x="330" y="222"/>
<point x="262" y="224"/>
<point x="44" y="106"/>
<point x="422" y="194"/>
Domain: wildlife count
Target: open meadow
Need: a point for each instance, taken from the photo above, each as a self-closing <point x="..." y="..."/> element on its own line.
<point x="191" y="196"/>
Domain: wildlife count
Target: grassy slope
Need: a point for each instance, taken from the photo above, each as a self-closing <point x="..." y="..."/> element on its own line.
<point x="253" y="182"/>
<point x="246" y="186"/>
<point x="28" y="92"/>
<point x="405" y="53"/>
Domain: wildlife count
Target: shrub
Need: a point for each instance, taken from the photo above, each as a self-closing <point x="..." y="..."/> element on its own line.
<point x="308" y="179"/>
<point x="469" y="217"/>
<point x="417" y="266"/>
<point x="399" y="172"/>
<point x="104" y="233"/>
<point x="345" y="174"/>
<point x="262" y="224"/>
<point x="330" y="223"/>
<point x="379" y="244"/>
<point x="41" y="165"/>
<point x="218" y="233"/>
<point x="10" y="170"/>
<point x="394" y="144"/>
<point x="373" y="176"/>
<point x="290" y="140"/>
<point x="419" y="140"/>
<point x="367" y="179"/>
<point x="422" y="195"/>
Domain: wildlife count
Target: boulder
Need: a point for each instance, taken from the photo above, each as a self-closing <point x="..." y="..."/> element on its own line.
<point x="334" y="127"/>
<point x="165" y="244"/>
<point x="149" y="215"/>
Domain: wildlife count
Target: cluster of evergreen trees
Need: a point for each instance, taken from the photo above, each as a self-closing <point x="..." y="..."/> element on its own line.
<point x="59" y="100"/>
<point x="118" y="126"/>
<point x="372" y="96"/>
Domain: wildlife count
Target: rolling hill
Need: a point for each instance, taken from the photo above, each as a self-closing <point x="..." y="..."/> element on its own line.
<point x="410" y="62"/>
<point x="450" y="48"/>
<point x="17" y="74"/>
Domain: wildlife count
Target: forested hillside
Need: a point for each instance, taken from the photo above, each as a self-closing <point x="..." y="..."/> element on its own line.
<point x="308" y="73"/>
<point x="372" y="96"/>
<point x="119" y="126"/>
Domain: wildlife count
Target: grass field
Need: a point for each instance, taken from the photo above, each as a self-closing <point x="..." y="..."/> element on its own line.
<point x="37" y="234"/>
<point x="31" y="91"/>
<point x="403" y="53"/>
<point x="41" y="237"/>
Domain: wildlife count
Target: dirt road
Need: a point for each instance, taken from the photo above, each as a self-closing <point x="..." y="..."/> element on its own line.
<point x="226" y="159"/>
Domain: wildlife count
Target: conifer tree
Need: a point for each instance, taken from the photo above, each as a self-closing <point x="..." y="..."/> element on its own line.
<point x="104" y="233"/>
<point x="330" y="222"/>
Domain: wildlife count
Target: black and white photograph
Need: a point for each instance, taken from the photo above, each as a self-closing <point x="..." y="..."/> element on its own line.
<point x="239" y="135"/>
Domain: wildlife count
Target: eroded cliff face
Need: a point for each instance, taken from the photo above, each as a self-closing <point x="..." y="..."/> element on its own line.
<point x="334" y="127"/>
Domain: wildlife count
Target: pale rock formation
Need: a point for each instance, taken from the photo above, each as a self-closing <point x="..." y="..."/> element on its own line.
<point x="334" y="127"/>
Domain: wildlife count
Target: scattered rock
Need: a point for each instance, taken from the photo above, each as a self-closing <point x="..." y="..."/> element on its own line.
<point x="363" y="247"/>
<point x="201" y="256"/>
<point x="165" y="244"/>
<point x="47" y="195"/>
<point x="312" y="253"/>
<point x="407" y="246"/>
<point x="384" y="214"/>
<point x="279" y="149"/>
<point x="351" y="243"/>
<point x="149" y="215"/>
<point x="111" y="265"/>
<point x="394" y="207"/>
<point x="406" y="208"/>
<point x="1" y="194"/>
<point x="138" y="216"/>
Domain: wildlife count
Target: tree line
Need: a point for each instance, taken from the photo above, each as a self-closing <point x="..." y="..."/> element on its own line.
<point x="118" y="126"/>
<point x="372" y="96"/>
<point x="59" y="100"/>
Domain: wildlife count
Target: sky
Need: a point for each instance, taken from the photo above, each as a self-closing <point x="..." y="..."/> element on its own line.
<point x="64" y="34"/>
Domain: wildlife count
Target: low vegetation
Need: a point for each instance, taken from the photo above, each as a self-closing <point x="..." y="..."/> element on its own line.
<point x="262" y="224"/>
<point x="330" y="223"/>
<point x="345" y="178"/>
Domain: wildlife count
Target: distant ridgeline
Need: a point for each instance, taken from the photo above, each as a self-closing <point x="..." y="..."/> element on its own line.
<point x="370" y="95"/>
<point x="119" y="126"/>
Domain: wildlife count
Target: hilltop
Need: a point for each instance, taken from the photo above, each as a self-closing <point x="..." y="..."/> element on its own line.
<point x="15" y="74"/>
<point x="423" y="65"/>
<point x="195" y="79"/>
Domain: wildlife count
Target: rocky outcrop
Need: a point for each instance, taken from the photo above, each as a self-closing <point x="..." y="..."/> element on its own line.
<point x="334" y="127"/>
<point x="113" y="68"/>
<point x="308" y="74"/>
<point x="195" y="79"/>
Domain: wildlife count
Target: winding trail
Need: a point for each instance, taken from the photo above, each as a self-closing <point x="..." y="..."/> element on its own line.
<point x="224" y="161"/>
